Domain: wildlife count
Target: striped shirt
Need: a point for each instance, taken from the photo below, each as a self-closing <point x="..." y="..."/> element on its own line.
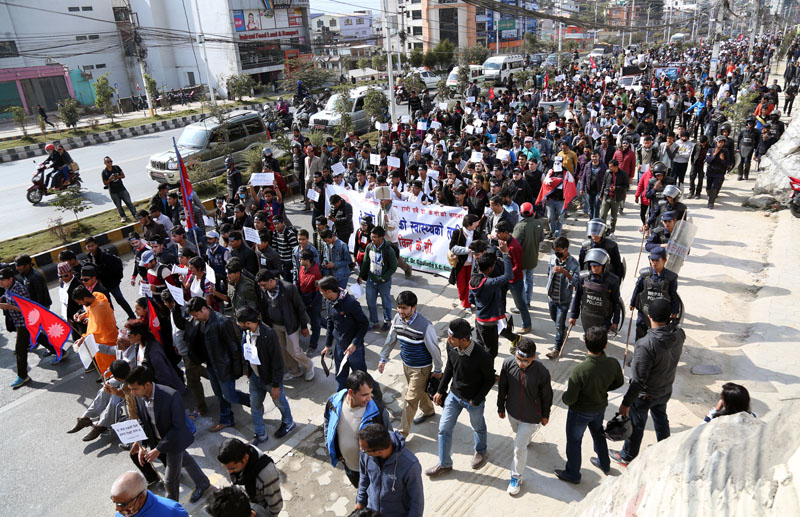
<point x="285" y="242"/>
<point x="419" y="346"/>
<point x="20" y="290"/>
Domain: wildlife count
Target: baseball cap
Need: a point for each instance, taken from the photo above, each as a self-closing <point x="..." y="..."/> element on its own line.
<point x="658" y="253"/>
<point x="526" y="209"/>
<point x="7" y="273"/>
<point x="147" y="257"/>
<point x="212" y="235"/>
<point x="668" y="216"/>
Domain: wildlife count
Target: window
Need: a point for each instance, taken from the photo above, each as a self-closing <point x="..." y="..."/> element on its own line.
<point x="236" y="132"/>
<point x="416" y="15"/>
<point x="417" y="31"/>
<point x="94" y="36"/>
<point x="359" y="105"/>
<point x="80" y="38"/>
<point x="348" y="21"/>
<point x="359" y="21"/>
<point x="88" y="67"/>
<point x="417" y="46"/>
<point x="120" y="14"/>
<point x="254" y="126"/>
<point x="101" y="65"/>
<point x="320" y="24"/>
<point x="416" y="1"/>
<point x="8" y="49"/>
<point x="73" y="9"/>
<point x="86" y="8"/>
<point x="332" y="23"/>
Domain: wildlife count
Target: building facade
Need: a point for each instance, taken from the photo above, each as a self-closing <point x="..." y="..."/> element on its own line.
<point x="335" y="28"/>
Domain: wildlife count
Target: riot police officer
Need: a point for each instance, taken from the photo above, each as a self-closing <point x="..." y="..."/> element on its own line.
<point x="725" y="132"/>
<point x="596" y="231"/>
<point x="718" y="161"/>
<point x="597" y="300"/>
<point x="655" y="187"/>
<point x="746" y="144"/>
<point x="654" y="282"/>
<point x="660" y="235"/>
<point x="671" y="203"/>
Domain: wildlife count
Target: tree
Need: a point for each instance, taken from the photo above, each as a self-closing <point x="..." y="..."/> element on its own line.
<point x="442" y="91"/>
<point x="413" y="82"/>
<point x="302" y="70"/>
<point x="363" y="62"/>
<point x="344" y="107"/>
<point x="240" y="85"/>
<point x="476" y="55"/>
<point x="68" y="111"/>
<point x="444" y="53"/>
<point x="379" y="61"/>
<point x="104" y="96"/>
<point x="20" y="118"/>
<point x="71" y="200"/>
<point x="152" y="88"/>
<point x="416" y="58"/>
<point x="463" y="76"/>
<point x="430" y="60"/>
<point x="523" y="77"/>
<point x="376" y="104"/>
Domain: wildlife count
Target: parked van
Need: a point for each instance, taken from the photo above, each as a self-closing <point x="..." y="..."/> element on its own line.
<point x="497" y="68"/>
<point x="328" y="118"/>
<point x="475" y="74"/>
<point x="204" y="142"/>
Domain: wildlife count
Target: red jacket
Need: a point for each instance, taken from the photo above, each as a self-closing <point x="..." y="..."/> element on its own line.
<point x="627" y="162"/>
<point x="641" y="188"/>
<point x="308" y="278"/>
<point x="515" y="252"/>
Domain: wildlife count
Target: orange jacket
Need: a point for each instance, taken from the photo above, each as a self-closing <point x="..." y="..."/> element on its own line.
<point x="102" y="324"/>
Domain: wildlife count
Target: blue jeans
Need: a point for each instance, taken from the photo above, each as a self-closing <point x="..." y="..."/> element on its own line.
<point x="373" y="290"/>
<point x="638" y="415"/>
<point x="518" y="294"/>
<point x="258" y="393"/>
<point x="227" y="394"/>
<point x="527" y="277"/>
<point x="313" y="303"/>
<point x="594" y="205"/>
<point x="558" y="313"/>
<point x="555" y="214"/>
<point x="354" y="362"/>
<point x="452" y="408"/>
<point x="577" y="422"/>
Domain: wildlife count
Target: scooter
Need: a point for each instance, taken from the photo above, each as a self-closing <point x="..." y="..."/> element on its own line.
<point x="303" y="114"/>
<point x="400" y="94"/>
<point x="794" y="200"/>
<point x="38" y="190"/>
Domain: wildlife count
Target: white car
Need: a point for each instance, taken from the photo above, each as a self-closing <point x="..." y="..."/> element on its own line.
<point x="430" y="79"/>
<point x="631" y="83"/>
<point x="328" y="118"/>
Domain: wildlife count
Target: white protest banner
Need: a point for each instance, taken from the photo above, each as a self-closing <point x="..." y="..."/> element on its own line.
<point x="436" y="125"/>
<point x="393" y="161"/>
<point x="405" y="119"/>
<point x="395" y="127"/>
<point x="312" y="194"/>
<point x="144" y="290"/>
<point x="251" y="235"/>
<point x="422" y="125"/>
<point x="85" y="356"/>
<point x="250" y="353"/>
<point x="262" y="179"/>
<point x="384" y="126"/>
<point x="595" y="134"/>
<point x="502" y="154"/>
<point x="209" y="221"/>
<point x="442" y="105"/>
<point x="177" y="294"/>
<point x="211" y="274"/>
<point x="551" y="126"/>
<point x="640" y="109"/>
<point x="374" y="159"/>
<point x="477" y="122"/>
<point x="378" y="125"/>
<point x="129" y="431"/>
<point x="433" y="174"/>
<point x="501" y="117"/>
<point x="476" y="156"/>
<point x="337" y="168"/>
<point x="478" y="130"/>
<point x="471" y="99"/>
<point x="424" y="230"/>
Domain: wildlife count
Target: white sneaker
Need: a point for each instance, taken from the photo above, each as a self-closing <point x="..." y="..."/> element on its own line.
<point x="514" y="486"/>
<point x="289" y="375"/>
<point x="309" y="374"/>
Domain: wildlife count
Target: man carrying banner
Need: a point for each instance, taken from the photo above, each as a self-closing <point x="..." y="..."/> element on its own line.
<point x="23" y="341"/>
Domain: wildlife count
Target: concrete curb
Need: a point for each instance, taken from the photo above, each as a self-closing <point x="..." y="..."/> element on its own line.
<point x="34" y="150"/>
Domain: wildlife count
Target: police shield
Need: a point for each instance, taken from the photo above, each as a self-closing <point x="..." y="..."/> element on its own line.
<point x="679" y="244"/>
<point x="737" y="161"/>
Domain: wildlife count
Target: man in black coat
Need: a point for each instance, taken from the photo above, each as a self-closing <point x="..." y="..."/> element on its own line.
<point x="109" y="272"/>
<point x="161" y="413"/>
<point x="342" y="217"/>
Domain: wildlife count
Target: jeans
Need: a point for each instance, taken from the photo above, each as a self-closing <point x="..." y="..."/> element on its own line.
<point x="354" y="362"/>
<point x="555" y="215"/>
<point x="558" y="313"/>
<point x="679" y="171"/>
<point x="194" y="371"/>
<point x="227" y="394"/>
<point x="313" y="303"/>
<point x="258" y="393"/>
<point x="373" y="290"/>
<point x="610" y="205"/>
<point x="522" y="439"/>
<point x="123" y="197"/>
<point x="452" y="408"/>
<point x="638" y="415"/>
<point x="518" y="294"/>
<point x="488" y="336"/>
<point x="593" y="203"/>
<point x="527" y="278"/>
<point x="116" y="292"/>
<point x="577" y="422"/>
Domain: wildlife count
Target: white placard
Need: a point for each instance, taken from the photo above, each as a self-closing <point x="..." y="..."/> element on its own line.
<point x="469" y="130"/>
<point x="129" y="431"/>
<point x="384" y="126"/>
<point x="476" y="156"/>
<point x="467" y="110"/>
<point x="514" y="104"/>
<point x="557" y="167"/>
<point x="356" y="290"/>
<point x="261" y="179"/>
<point x="85" y="356"/>
<point x="177" y="294"/>
<point x="393" y="161"/>
<point x="374" y="159"/>
<point x="312" y="194"/>
<point x="433" y="174"/>
<point x="395" y="127"/>
<point x="378" y="125"/>
<point x="477" y="122"/>
<point x="502" y="154"/>
<point x="640" y="109"/>
<point x="593" y="113"/>
<point x="209" y="221"/>
<point x="551" y="126"/>
<point x="501" y="117"/>
<point x="478" y="130"/>
<point x="91" y="344"/>
<point x="595" y="134"/>
<point x="211" y="274"/>
<point x="422" y="125"/>
<point x="471" y="99"/>
<point x="442" y="105"/>
<point x="501" y="324"/>
<point x="337" y="168"/>
<point x="608" y="78"/>
<point x="250" y="234"/>
<point x="250" y="353"/>
<point x="144" y="290"/>
<point x="436" y="124"/>
<point x="405" y="119"/>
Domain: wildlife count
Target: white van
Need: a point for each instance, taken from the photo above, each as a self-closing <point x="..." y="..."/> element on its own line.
<point x="497" y="68"/>
<point x="475" y="74"/>
<point x="328" y="118"/>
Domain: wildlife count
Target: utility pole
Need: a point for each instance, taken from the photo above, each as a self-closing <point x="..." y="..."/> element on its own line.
<point x="595" y="22"/>
<point x="201" y="38"/>
<point x="669" y="22"/>
<point x="392" y="107"/>
<point x="647" y="23"/>
<point x="633" y="13"/>
<point x="141" y="55"/>
<point x="560" y="29"/>
<point x="402" y="9"/>
<point x="497" y="33"/>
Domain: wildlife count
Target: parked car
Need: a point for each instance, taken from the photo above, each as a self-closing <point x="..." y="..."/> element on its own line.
<point x="475" y="74"/>
<point x="538" y="59"/>
<point x="631" y="83"/>
<point x="498" y="68"/>
<point x="205" y="142"/>
<point x="328" y="118"/>
<point x="430" y="79"/>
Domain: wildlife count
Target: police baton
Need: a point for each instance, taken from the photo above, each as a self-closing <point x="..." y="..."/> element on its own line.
<point x="639" y="258"/>
<point x="563" y="345"/>
<point x="627" y="340"/>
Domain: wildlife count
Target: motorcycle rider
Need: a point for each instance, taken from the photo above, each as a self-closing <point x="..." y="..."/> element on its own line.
<point x="281" y="106"/>
<point x="654" y="282"/>
<point x="745" y="145"/>
<point x="596" y="231"/>
<point x="304" y="112"/>
<point x="302" y="91"/>
<point x="597" y="300"/>
<point x="60" y="160"/>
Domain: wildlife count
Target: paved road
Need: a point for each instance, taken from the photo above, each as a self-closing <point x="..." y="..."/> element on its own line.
<point x="20" y="217"/>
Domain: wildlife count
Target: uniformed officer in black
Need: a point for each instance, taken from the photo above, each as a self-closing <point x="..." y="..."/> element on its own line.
<point x="659" y="236"/>
<point x="671" y="203"/>
<point x="655" y="187"/>
<point x="654" y="282"/>
<point x="597" y="300"/>
<point x="745" y="145"/>
<point x="596" y="232"/>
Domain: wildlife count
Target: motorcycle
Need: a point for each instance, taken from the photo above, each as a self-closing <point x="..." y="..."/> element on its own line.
<point x="302" y="116"/>
<point x="794" y="200"/>
<point x="38" y="190"/>
<point x="400" y="94"/>
<point x="274" y="119"/>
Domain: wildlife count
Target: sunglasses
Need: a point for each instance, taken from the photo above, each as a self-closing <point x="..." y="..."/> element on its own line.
<point x="85" y="279"/>
<point x="128" y="503"/>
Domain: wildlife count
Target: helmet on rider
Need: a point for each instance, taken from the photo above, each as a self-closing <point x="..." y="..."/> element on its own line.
<point x="266" y="151"/>
<point x="49" y="148"/>
<point x="229" y="161"/>
<point x="659" y="168"/>
<point x="299" y="83"/>
<point x="751" y="120"/>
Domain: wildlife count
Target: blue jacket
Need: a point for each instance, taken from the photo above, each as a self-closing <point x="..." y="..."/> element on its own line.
<point x="392" y="486"/>
<point x="339" y="255"/>
<point x="157" y="506"/>
<point x="372" y="415"/>
<point x="347" y="323"/>
<point x="488" y="294"/>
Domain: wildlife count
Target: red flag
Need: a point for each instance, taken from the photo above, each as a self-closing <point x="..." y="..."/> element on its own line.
<point x="550" y="184"/>
<point x="186" y="189"/>
<point x="591" y="60"/>
<point x="152" y="321"/>
<point x="38" y="319"/>
<point x="741" y="35"/>
<point x="546" y="79"/>
<point x="491" y="92"/>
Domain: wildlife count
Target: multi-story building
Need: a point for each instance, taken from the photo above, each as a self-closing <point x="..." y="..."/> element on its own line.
<point x="333" y="28"/>
<point x="59" y="50"/>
